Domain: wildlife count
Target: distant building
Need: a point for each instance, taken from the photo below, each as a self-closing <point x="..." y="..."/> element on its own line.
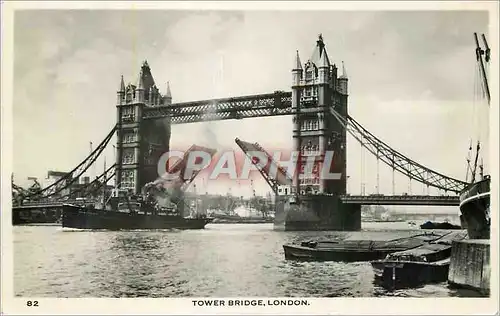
<point x="86" y="180"/>
<point x="53" y="177"/>
<point x="77" y="188"/>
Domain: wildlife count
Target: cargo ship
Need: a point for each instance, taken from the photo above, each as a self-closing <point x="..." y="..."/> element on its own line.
<point x="85" y="217"/>
<point x="125" y="211"/>
<point x="475" y="198"/>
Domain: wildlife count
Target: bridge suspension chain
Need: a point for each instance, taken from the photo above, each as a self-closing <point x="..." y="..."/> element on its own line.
<point x="396" y="160"/>
<point x="67" y="180"/>
<point x="95" y="185"/>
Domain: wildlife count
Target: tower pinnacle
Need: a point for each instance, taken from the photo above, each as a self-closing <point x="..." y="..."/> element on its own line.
<point x="320" y="43"/>
<point x="344" y="73"/>
<point x="169" y="93"/>
<point x="298" y="64"/>
<point x="140" y="81"/>
<point x="122" y="85"/>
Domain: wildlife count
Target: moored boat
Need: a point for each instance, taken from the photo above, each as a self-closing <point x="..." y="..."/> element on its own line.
<point x="353" y="250"/>
<point x="427" y="263"/>
<point x="475" y="198"/>
<point x="475" y="209"/>
<point x="439" y="225"/>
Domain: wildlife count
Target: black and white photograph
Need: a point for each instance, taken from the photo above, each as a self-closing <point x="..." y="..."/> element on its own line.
<point x="258" y="158"/>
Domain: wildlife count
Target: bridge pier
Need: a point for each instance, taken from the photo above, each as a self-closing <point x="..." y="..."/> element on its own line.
<point x="316" y="212"/>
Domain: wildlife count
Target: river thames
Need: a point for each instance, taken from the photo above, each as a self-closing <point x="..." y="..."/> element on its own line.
<point x="222" y="260"/>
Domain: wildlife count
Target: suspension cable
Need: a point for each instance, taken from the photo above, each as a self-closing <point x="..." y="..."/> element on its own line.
<point x="402" y="163"/>
<point x="70" y="175"/>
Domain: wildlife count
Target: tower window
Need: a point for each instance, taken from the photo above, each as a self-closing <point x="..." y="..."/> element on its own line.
<point x="130" y="137"/>
<point x="309" y="74"/>
<point x="128" y="114"/>
<point x="128" y="156"/>
<point x="128" y="179"/>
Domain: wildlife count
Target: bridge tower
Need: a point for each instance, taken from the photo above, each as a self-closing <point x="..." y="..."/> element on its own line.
<point x="139" y="144"/>
<point x="321" y="141"/>
<point x="316" y="87"/>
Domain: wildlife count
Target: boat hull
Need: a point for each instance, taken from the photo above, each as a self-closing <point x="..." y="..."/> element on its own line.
<point x="300" y="253"/>
<point x="428" y="263"/>
<point x="85" y="218"/>
<point x="353" y="250"/>
<point x="401" y="274"/>
<point x="475" y="209"/>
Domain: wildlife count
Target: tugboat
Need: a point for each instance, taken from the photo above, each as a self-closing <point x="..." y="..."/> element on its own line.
<point x="475" y="198"/>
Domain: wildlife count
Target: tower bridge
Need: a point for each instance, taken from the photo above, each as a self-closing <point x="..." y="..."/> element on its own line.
<point x="318" y="104"/>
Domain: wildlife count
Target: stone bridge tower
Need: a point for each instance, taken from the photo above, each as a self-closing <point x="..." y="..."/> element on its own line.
<point x="140" y="143"/>
<point x="317" y="87"/>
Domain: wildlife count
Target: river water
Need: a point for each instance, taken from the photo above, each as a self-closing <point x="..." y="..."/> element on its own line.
<point x="223" y="260"/>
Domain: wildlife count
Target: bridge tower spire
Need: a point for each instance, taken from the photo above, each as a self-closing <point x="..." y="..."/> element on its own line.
<point x="167" y="99"/>
<point x="315" y="89"/>
<point x="121" y="92"/>
<point x="139" y="143"/>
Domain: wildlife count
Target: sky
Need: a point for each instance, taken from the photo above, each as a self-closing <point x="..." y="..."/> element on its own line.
<point x="412" y="77"/>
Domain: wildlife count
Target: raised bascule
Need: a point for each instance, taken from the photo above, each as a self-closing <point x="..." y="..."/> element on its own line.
<point x="318" y="104"/>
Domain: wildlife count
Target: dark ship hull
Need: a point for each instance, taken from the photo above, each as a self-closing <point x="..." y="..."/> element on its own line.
<point x="437" y="225"/>
<point x="428" y="263"/>
<point x="87" y="218"/>
<point x="475" y="209"/>
<point x="406" y="274"/>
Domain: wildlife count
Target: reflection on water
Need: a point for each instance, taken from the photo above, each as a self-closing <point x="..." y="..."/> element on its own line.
<point x="224" y="260"/>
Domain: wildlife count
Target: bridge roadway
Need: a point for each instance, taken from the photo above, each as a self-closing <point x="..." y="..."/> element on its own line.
<point x="379" y="199"/>
<point x="347" y="199"/>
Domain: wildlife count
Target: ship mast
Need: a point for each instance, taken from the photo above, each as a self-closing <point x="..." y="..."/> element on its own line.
<point x="479" y="55"/>
<point x="468" y="163"/>
<point x="481" y="169"/>
<point x="478" y="147"/>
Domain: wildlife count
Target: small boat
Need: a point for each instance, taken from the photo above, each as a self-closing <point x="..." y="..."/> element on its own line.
<point x="353" y="250"/>
<point x="428" y="263"/>
<point x="439" y="225"/>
